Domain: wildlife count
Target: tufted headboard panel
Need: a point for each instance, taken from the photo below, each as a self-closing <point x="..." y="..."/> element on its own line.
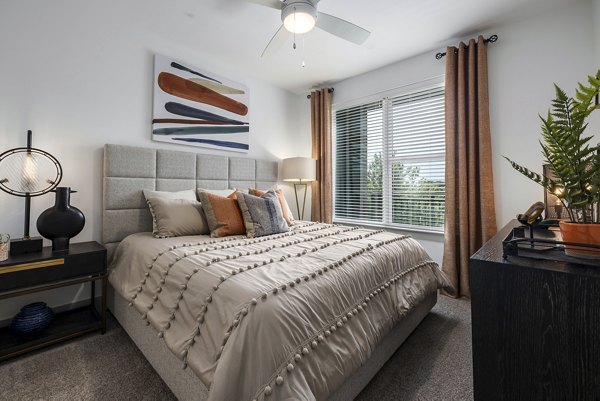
<point x="128" y="170"/>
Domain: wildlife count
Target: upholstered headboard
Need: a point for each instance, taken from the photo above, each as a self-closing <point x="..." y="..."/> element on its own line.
<point x="128" y="170"/>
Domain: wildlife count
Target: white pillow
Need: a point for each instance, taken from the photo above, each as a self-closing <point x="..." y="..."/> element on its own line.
<point x="220" y="192"/>
<point x="188" y="194"/>
<point x="177" y="217"/>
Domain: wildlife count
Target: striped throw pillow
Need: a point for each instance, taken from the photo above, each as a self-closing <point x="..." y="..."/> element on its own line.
<point x="262" y="215"/>
<point x="285" y="209"/>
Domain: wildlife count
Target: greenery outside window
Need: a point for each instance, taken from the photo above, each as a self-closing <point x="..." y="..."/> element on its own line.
<point x="389" y="162"/>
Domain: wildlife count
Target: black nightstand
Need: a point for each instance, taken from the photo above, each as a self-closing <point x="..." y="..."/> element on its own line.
<point x="29" y="273"/>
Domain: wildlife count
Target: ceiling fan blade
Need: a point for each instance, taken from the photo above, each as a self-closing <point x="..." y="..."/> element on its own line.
<point x="276" y="4"/>
<point x="276" y="42"/>
<point x="342" y="28"/>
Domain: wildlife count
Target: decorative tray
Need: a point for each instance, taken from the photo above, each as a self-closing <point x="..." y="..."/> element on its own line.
<point x="545" y="243"/>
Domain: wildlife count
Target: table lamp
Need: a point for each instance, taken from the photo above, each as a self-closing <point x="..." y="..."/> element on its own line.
<point x="28" y="172"/>
<point x="300" y="171"/>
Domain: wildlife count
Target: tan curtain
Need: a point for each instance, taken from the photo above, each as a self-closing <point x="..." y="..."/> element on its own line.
<point x="322" y="197"/>
<point x="470" y="210"/>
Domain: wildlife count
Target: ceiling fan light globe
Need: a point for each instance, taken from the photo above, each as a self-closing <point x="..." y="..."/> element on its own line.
<point x="299" y="17"/>
<point x="302" y="24"/>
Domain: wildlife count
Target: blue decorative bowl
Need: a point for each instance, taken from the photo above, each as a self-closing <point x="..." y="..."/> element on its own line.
<point x="32" y="319"/>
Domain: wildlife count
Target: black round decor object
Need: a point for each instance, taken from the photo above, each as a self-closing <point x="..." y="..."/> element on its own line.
<point x="32" y="319"/>
<point x="62" y="221"/>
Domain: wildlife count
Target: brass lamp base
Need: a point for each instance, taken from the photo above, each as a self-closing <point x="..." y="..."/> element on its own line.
<point x="296" y="185"/>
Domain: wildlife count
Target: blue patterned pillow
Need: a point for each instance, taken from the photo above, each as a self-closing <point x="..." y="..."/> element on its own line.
<point x="262" y="215"/>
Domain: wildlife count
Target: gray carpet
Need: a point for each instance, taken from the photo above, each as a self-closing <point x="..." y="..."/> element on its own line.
<point x="433" y="364"/>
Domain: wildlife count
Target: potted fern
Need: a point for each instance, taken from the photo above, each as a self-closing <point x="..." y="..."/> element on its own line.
<point x="576" y="164"/>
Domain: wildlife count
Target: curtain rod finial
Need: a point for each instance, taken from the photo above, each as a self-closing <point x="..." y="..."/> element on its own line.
<point x="491" y="39"/>
<point x="330" y="90"/>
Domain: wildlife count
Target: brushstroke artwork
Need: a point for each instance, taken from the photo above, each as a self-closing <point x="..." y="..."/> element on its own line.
<point x="193" y="91"/>
<point x="186" y="111"/>
<point x="196" y="107"/>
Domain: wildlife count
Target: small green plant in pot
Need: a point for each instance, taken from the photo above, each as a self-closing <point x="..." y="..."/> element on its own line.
<point x="575" y="162"/>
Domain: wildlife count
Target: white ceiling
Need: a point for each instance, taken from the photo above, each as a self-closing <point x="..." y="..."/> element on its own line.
<point x="236" y="31"/>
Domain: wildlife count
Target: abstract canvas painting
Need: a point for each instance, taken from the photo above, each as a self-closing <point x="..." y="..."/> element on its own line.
<point x="199" y="108"/>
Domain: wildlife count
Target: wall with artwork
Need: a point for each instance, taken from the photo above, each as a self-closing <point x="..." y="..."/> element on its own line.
<point x="79" y="83"/>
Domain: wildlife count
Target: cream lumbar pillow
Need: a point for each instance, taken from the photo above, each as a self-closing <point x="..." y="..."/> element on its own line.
<point x="188" y="194"/>
<point x="177" y="217"/>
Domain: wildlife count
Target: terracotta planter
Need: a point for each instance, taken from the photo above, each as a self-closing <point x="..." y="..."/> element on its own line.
<point x="583" y="234"/>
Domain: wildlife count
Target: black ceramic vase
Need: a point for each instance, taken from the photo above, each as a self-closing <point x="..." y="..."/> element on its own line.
<point x="62" y="221"/>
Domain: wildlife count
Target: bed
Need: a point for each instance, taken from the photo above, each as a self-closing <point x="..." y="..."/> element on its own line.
<point x="310" y="314"/>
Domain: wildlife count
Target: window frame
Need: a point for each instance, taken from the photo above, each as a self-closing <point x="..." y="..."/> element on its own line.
<point x="386" y="98"/>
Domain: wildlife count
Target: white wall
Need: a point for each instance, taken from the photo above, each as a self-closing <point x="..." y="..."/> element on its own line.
<point x="594" y="121"/>
<point x="301" y="147"/>
<point x="597" y="30"/>
<point x="530" y="55"/>
<point x="79" y="74"/>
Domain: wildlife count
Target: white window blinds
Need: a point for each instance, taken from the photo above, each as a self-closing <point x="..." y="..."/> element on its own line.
<point x="389" y="161"/>
<point x="358" y="147"/>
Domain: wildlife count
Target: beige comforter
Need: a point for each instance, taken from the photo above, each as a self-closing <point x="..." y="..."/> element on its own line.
<point x="282" y="317"/>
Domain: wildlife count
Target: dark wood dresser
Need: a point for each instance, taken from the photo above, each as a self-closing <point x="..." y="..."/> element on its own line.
<point x="536" y="327"/>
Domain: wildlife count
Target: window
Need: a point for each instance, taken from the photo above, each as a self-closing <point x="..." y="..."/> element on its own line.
<point x="389" y="161"/>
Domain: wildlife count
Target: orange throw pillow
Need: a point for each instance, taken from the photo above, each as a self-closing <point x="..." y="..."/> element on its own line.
<point x="287" y="213"/>
<point x="223" y="214"/>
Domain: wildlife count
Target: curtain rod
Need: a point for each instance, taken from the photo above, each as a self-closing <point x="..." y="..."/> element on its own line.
<point x="491" y="39"/>
<point x="328" y="90"/>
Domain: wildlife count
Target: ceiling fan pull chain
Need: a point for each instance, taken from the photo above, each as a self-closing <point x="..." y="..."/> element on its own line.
<point x="294" y="28"/>
<point x="303" y="63"/>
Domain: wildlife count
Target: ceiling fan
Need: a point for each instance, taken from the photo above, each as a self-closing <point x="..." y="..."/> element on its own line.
<point x="301" y="16"/>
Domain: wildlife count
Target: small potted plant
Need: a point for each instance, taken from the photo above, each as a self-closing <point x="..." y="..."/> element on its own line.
<point x="576" y="165"/>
